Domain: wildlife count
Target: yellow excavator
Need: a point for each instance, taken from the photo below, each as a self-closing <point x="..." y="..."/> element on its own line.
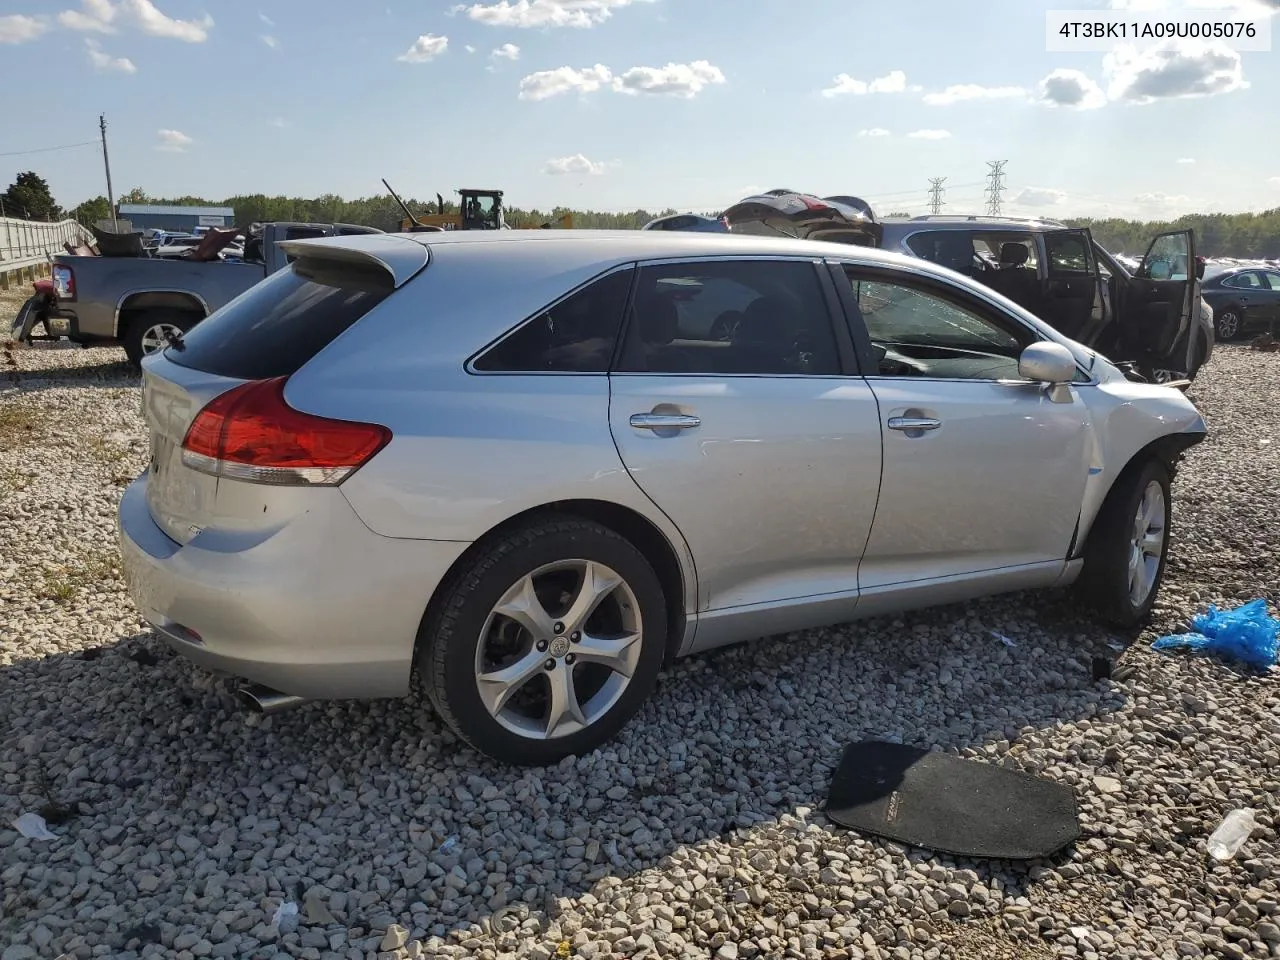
<point x="477" y="210"/>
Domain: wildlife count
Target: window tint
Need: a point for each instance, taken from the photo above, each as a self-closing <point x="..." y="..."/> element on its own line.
<point x="1067" y="253"/>
<point x="276" y="326"/>
<point x="764" y="317"/>
<point x="1248" y="281"/>
<point x="576" y="335"/>
<point x="916" y="333"/>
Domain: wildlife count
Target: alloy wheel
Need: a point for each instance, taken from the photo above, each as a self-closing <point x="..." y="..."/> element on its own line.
<point x="559" y="649"/>
<point x="1150" y="524"/>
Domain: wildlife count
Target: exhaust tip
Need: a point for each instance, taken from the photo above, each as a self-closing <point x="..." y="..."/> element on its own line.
<point x="259" y="699"/>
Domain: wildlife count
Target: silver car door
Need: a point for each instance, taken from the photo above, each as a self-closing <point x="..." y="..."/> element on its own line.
<point x="755" y="443"/>
<point x="982" y="473"/>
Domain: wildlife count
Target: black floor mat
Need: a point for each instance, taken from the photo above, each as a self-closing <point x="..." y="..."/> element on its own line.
<point x="962" y="807"/>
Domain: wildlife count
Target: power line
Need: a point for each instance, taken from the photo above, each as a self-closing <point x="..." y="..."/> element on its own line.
<point x="995" y="186"/>
<point x="935" y="194"/>
<point x="65" y="146"/>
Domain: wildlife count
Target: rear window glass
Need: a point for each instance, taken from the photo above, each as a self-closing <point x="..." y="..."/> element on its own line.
<point x="276" y="326"/>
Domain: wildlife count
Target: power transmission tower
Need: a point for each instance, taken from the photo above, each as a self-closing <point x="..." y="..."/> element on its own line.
<point x="995" y="186"/>
<point x="935" y="194"/>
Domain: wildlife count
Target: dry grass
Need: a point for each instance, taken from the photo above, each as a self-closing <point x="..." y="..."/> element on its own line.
<point x="63" y="583"/>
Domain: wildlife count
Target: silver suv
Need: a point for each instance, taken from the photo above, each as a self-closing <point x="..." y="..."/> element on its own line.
<point x="1152" y="320"/>
<point x="536" y="465"/>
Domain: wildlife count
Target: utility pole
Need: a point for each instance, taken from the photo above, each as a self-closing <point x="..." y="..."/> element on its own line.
<point x="106" y="163"/>
<point x="935" y="194"/>
<point x="996" y="186"/>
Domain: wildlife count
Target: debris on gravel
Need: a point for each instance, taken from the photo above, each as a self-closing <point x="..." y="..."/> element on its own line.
<point x="698" y="833"/>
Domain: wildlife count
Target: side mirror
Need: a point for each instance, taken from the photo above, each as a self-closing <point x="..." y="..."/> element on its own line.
<point x="1051" y="364"/>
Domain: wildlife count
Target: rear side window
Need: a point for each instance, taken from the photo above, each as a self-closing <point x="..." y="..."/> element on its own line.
<point x="276" y="326"/>
<point x="575" y="335"/>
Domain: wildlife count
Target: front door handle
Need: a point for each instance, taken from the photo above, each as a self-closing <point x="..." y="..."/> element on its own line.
<point x="664" y="421"/>
<point x="914" y="423"/>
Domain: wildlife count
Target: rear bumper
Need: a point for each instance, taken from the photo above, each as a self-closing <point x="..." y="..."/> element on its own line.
<point x="322" y="608"/>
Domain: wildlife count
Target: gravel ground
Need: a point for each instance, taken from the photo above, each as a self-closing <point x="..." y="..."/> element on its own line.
<point x="697" y="834"/>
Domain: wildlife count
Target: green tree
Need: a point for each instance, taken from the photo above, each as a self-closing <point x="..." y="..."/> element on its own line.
<point x="91" y="211"/>
<point x="28" y="197"/>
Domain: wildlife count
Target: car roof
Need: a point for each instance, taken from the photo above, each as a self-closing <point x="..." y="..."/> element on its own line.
<point x="952" y="221"/>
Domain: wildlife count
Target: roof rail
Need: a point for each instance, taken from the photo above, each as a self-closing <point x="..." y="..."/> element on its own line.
<point x="981" y="217"/>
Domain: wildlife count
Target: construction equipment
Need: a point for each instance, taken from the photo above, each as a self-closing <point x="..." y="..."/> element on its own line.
<point x="478" y="210"/>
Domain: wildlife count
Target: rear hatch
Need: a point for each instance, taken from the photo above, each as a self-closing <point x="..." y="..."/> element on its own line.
<point x="242" y="471"/>
<point x="840" y="219"/>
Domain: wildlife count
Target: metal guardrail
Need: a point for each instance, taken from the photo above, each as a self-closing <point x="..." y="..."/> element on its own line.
<point x="31" y="243"/>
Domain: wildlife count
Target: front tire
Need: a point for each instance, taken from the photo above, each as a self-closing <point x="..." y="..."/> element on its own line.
<point x="546" y="643"/>
<point x="1128" y="546"/>
<point x="1228" y="322"/>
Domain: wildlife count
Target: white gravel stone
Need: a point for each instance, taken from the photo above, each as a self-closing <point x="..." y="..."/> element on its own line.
<point x="697" y="833"/>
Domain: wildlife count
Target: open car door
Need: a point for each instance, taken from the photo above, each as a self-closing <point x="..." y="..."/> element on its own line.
<point x="802" y="215"/>
<point x="1159" y="299"/>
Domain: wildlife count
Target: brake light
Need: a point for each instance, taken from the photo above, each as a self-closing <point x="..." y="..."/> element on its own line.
<point x="64" y="282"/>
<point x="251" y="433"/>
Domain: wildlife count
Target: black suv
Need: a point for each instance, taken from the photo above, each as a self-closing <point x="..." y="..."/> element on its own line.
<point x="1152" y="321"/>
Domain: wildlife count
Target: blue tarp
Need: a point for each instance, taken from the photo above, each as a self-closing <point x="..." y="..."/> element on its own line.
<point x="1248" y="633"/>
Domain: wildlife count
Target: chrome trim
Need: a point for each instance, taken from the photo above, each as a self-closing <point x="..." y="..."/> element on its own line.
<point x="914" y="423"/>
<point x="660" y="421"/>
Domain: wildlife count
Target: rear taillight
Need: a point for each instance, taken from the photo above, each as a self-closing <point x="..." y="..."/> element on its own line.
<point x="64" y="282"/>
<point x="251" y="433"/>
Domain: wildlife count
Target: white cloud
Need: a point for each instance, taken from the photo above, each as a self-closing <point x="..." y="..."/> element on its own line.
<point x="971" y="91"/>
<point x="543" y="13"/>
<point x="1040" y="197"/>
<point x="1186" y="160"/>
<point x="173" y="141"/>
<point x="552" y="83"/>
<point x="95" y="15"/>
<point x="102" y="15"/>
<point x="103" y="61"/>
<point x="1181" y="68"/>
<point x="685" y="80"/>
<point x="576" y="164"/>
<point x="426" y="47"/>
<point x="895" y="81"/>
<point x="508" y="51"/>
<point x="271" y="41"/>
<point x="874" y="132"/>
<point x="1071" y="88"/>
<point x="930" y="134"/>
<point x="18" y="28"/>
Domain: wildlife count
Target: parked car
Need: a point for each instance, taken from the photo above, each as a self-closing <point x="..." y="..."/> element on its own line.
<point x="689" y="221"/>
<point x="144" y="302"/>
<point x="543" y="503"/>
<point x="1150" y="318"/>
<point x="1243" y="299"/>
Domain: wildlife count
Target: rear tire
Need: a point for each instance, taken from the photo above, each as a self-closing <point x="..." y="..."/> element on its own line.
<point x="142" y="332"/>
<point x="516" y="668"/>
<point x="1124" y="560"/>
<point x="1228" y="322"/>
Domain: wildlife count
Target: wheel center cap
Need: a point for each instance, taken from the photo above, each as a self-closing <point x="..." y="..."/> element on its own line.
<point x="559" y="647"/>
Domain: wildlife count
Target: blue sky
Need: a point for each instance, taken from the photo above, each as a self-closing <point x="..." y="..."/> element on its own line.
<point x="619" y="104"/>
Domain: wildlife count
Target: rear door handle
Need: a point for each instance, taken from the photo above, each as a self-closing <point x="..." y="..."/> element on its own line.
<point x="914" y="423"/>
<point x="664" y="421"/>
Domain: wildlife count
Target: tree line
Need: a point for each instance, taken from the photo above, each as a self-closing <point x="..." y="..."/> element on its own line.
<point x="1217" y="234"/>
